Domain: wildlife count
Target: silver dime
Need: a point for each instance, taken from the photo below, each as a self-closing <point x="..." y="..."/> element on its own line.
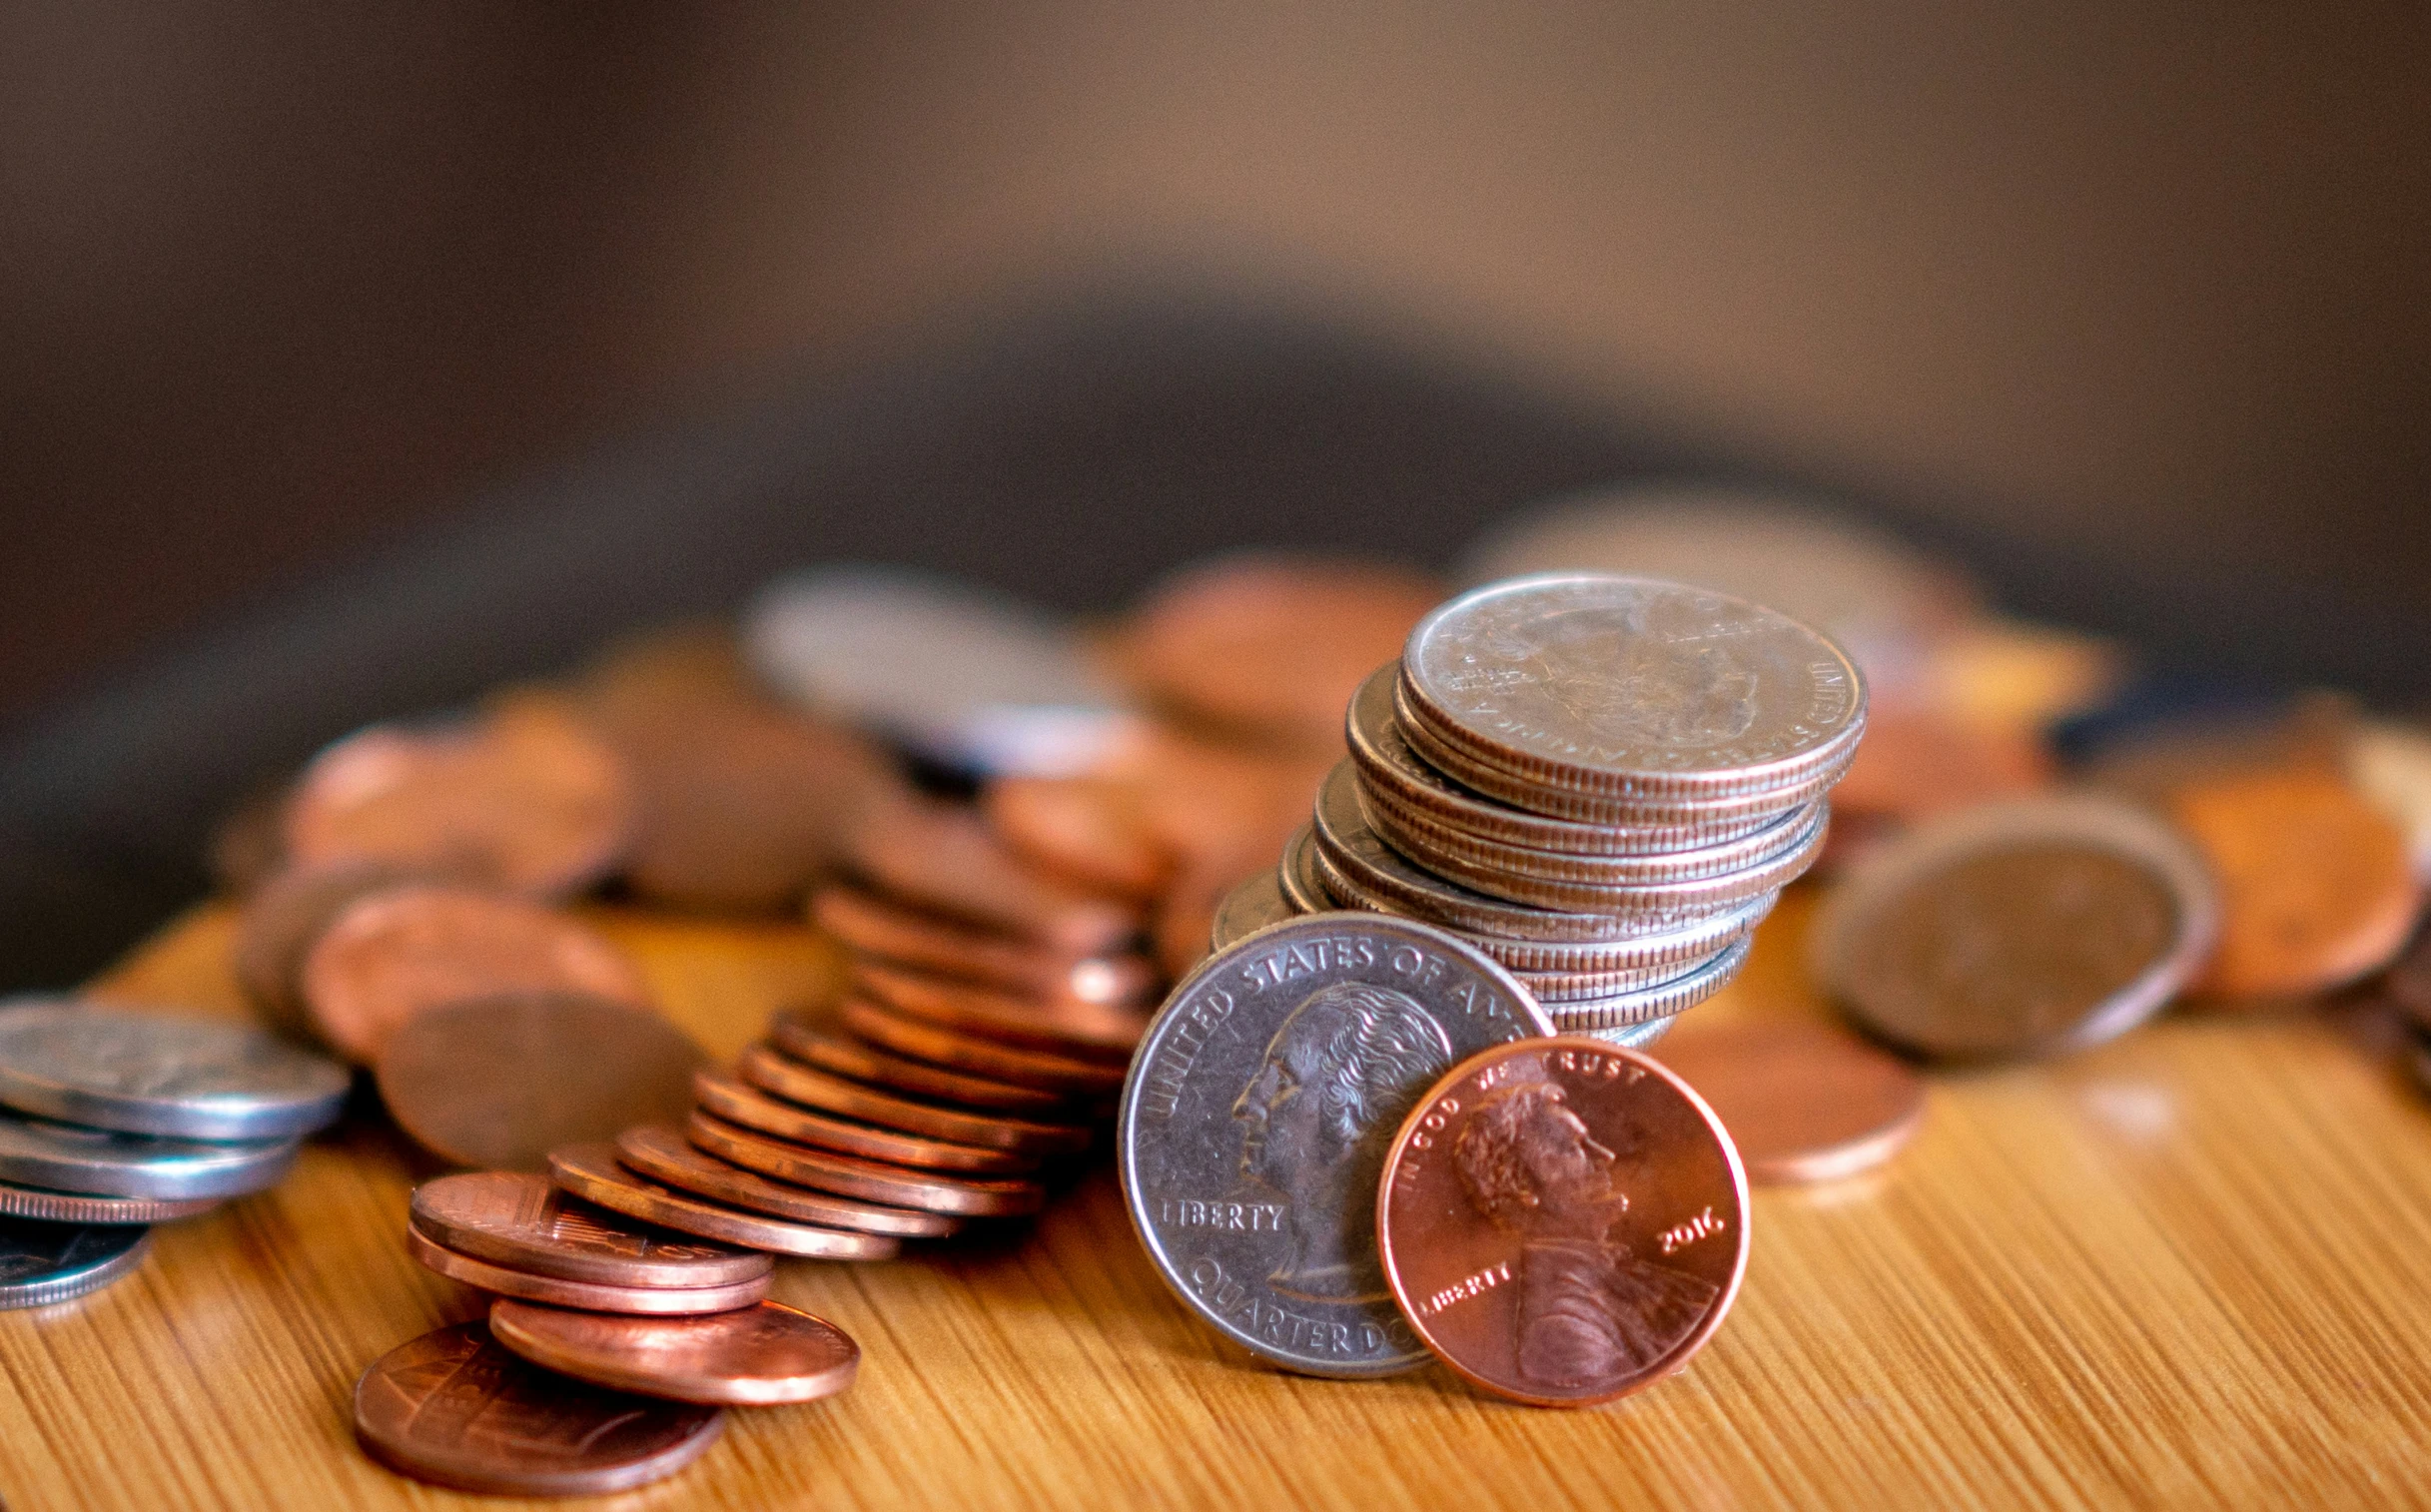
<point x="1250" y="908"/>
<point x="47" y="1206"/>
<point x="149" y="1073"/>
<point x="1253" y="1128"/>
<point x="1658" y="1002"/>
<point x="37" y="1153"/>
<point x="42" y="1263"/>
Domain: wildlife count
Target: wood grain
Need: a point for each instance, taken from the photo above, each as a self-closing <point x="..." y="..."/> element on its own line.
<point x="2192" y="1268"/>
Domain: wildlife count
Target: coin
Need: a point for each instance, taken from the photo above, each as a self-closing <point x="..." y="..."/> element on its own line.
<point x="245" y="850"/>
<point x="593" y="1171"/>
<point x="845" y="1055"/>
<point x="456" y="1408"/>
<point x="1661" y="1001"/>
<point x="1631" y="1035"/>
<point x="1094" y="830"/>
<point x="47" y="1206"/>
<point x="1256" y="1116"/>
<point x="753" y="1356"/>
<point x="1918" y="762"/>
<point x="42" y="1263"/>
<point x="886" y="932"/>
<point x="136" y="1073"/>
<point x="389" y="956"/>
<point x="1250" y="908"/>
<point x="2390" y="764"/>
<point x="2017" y="929"/>
<point x="1060" y="1075"/>
<point x="280" y="924"/>
<point x="2316" y="888"/>
<point x="944" y="858"/>
<point x="66" y="1158"/>
<point x="1086" y="1032"/>
<point x="808" y="1086"/>
<point x="499" y="1081"/>
<point x="659" y="1152"/>
<point x="599" y="1297"/>
<point x="520" y="1220"/>
<point x="1301" y="881"/>
<point x="1564" y="1222"/>
<point x="1580" y="986"/>
<point x="871" y="1180"/>
<point x="1802" y="1103"/>
<point x="739" y="1103"/>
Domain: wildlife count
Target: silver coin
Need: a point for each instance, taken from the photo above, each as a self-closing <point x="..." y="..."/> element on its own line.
<point x="1658" y="1002"/>
<point x="37" y="1153"/>
<point x="1250" y="908"/>
<point x="1631" y="1035"/>
<point x="42" y="1263"/>
<point x="1253" y="1128"/>
<point x="967" y="679"/>
<point x="149" y="1073"/>
<point x="1553" y="988"/>
<point x="1632" y="687"/>
<point x="47" y="1206"/>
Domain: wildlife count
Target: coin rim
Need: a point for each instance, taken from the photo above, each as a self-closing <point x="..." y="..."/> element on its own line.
<point x="18" y="1295"/>
<point x="598" y="1370"/>
<point x="539" y="1259"/>
<point x="172" y="1118"/>
<point x="854" y="1214"/>
<point x="692" y="1213"/>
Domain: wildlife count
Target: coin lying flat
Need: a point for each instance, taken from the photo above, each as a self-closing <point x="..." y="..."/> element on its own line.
<point x="456" y="1408"/>
<point x="43" y="1263"/>
<point x="739" y="1102"/>
<point x="888" y="932"/>
<point x="871" y="1180"/>
<point x="808" y="1086"/>
<point x="1255" y="1197"/>
<point x="106" y="1068"/>
<point x="593" y="1171"/>
<point x="1563" y="1222"/>
<point x="1250" y="908"/>
<point x="598" y="1296"/>
<point x="844" y="1056"/>
<point x="67" y="1157"/>
<point x="518" y="1220"/>
<point x="753" y="1356"/>
<point x="1086" y="1032"/>
<point x="47" y="1206"/>
<point x="2017" y="928"/>
<point x="1802" y="1103"/>
<point x="661" y="1153"/>
<point x="923" y="1041"/>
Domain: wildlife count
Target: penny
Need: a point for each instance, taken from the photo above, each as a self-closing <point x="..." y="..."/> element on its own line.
<point x="1563" y="1222"/>
<point x="524" y="798"/>
<point x="944" y="859"/>
<point x="47" y="1206"/>
<point x="1094" y="830"/>
<point x="456" y="1408"/>
<point x="593" y="1171"/>
<point x="1256" y="1120"/>
<point x="743" y="1103"/>
<point x="43" y="1263"/>
<point x="807" y="1087"/>
<point x="391" y="954"/>
<point x="136" y="1073"/>
<point x="2390" y="764"/>
<point x="1086" y="1032"/>
<point x="1661" y="1001"/>
<point x="2018" y="929"/>
<point x="599" y="1297"/>
<point x="1802" y="1103"/>
<point x="522" y="1222"/>
<point x="871" y="1180"/>
<point x="754" y="1356"/>
<point x="67" y="1157"/>
<point x="500" y="1081"/>
<point x="907" y="938"/>
<point x="280" y="924"/>
<point x="660" y="1152"/>
<point x="921" y="1041"/>
<point x="2316" y="888"/>
<point x="1918" y="762"/>
<point x="845" y="1055"/>
<point x="1250" y="908"/>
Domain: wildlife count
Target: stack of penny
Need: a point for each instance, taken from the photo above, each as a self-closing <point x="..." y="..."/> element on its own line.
<point x="1603" y="783"/>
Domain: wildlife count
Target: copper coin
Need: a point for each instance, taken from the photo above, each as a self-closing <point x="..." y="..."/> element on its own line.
<point x="889" y="932"/>
<point x="283" y="920"/>
<point x="455" y="1408"/>
<point x="1917" y="762"/>
<point x="598" y="1296"/>
<point x="660" y="1152"/>
<point x="47" y="1206"/>
<point x="1564" y="1221"/>
<point x="246" y="849"/>
<point x="944" y="859"/>
<point x="520" y="1221"/>
<point x="872" y="1181"/>
<point x="808" y="1086"/>
<point x="921" y="1041"/>
<point x="2316" y="888"/>
<point x="754" y="1356"/>
<point x="740" y="1103"/>
<point x="388" y="956"/>
<point x="501" y="1081"/>
<point x="593" y="1171"/>
<point x="845" y="1055"/>
<point x="524" y="798"/>
<point x="1094" y="830"/>
<point x="1802" y="1103"/>
<point x="1084" y="1032"/>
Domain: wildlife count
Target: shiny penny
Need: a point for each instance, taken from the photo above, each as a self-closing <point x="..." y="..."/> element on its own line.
<point x="907" y="938"/>
<point x="1081" y="1031"/>
<point x="754" y="1356"/>
<point x="1803" y="1102"/>
<point x="741" y="1103"/>
<point x="596" y="1296"/>
<point x="1563" y="1222"/>
<point x="809" y="1086"/>
<point x="138" y="1073"/>
<point x="660" y="1152"/>
<point x="844" y="1056"/>
<point x="521" y="1221"/>
<point x="904" y="1036"/>
<point x="872" y="1181"/>
<point x="593" y="1171"/>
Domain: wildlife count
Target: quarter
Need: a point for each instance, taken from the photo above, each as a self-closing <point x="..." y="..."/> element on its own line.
<point x="137" y="1073"/>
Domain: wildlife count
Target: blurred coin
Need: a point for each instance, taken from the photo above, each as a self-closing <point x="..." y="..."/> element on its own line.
<point x="871" y="1180"/>
<point x="2018" y="929"/>
<point x="1916" y="763"/>
<point x="2390" y="764"/>
<point x="455" y="1408"/>
<point x="67" y="1157"/>
<point x="43" y="1263"/>
<point x="968" y="679"/>
<point x="501" y="1081"/>
<point x="808" y="1086"/>
<point x="753" y="1356"/>
<point x="660" y="1152"/>
<point x="2316" y="888"/>
<point x="2004" y="672"/>
<point x="47" y="1206"/>
<point x="1094" y="830"/>
<point x="1084" y="1032"/>
<point x="1563" y="1222"/>
<point x="1250" y="908"/>
<point x="106" y="1068"/>
<point x="943" y="858"/>
<point x="599" y="1297"/>
<point x="1661" y="1001"/>
<point x="520" y="1220"/>
<point x="825" y="1046"/>
<point x="1802" y="1103"/>
<point x="394" y="954"/>
<point x="890" y="932"/>
<point x="938" y="1046"/>
<point x="739" y="1102"/>
<point x="246" y="849"/>
<point x="593" y="1171"/>
<point x="1256" y="1199"/>
<point x="2150" y="757"/>
<point x="280" y="924"/>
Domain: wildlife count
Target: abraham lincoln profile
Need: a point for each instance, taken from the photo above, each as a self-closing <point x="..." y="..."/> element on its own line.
<point x="1341" y="1069"/>
<point x="1591" y="1313"/>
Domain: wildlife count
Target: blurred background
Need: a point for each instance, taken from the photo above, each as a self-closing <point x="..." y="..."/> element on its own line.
<point x="358" y="357"/>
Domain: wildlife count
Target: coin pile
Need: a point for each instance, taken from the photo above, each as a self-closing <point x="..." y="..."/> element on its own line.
<point x="112" y="1121"/>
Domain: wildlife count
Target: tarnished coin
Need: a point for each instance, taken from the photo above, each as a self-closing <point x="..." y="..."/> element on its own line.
<point x="1803" y="1102"/>
<point x="1099" y="830"/>
<point x="46" y="1206"/>
<point x="501" y="1081"/>
<point x="1661" y="1001"/>
<point x="1083" y="1031"/>
<point x="1303" y="882"/>
<point x="456" y="1408"/>
<point x="559" y="1291"/>
<point x="923" y="1041"/>
<point x="888" y="932"/>
<point x="2018" y="929"/>
<point x="661" y="1153"/>
<point x="944" y="858"/>
<point x="871" y="1180"/>
<point x="392" y="953"/>
<point x="521" y="1221"/>
<point x="845" y="1055"/>
<point x="1563" y="1224"/>
<point x="739" y="1102"/>
<point x="68" y="1157"/>
<point x="280" y="924"/>
<point x="150" y="1074"/>
<point x="1250" y="908"/>
<point x="808" y="1086"/>
<point x="1256" y="1116"/>
<point x="593" y="1171"/>
<point x="754" y="1356"/>
<point x="43" y="1263"/>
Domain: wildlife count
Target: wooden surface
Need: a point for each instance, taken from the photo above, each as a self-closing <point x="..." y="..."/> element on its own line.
<point x="2190" y="1269"/>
